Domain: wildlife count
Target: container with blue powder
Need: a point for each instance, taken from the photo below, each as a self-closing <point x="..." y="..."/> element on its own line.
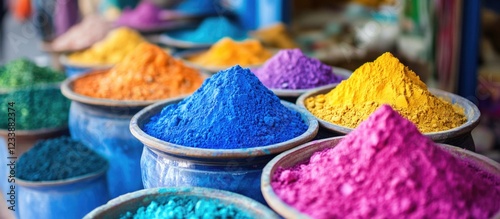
<point x="60" y="177"/>
<point x="219" y="137"/>
<point x="184" y="202"/>
<point x="210" y="31"/>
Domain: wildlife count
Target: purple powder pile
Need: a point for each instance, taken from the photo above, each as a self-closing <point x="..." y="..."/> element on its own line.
<point x="291" y="69"/>
<point x="386" y="169"/>
<point x="145" y="15"/>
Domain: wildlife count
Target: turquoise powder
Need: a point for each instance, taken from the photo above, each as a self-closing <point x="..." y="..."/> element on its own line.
<point x="210" y="31"/>
<point x="186" y="207"/>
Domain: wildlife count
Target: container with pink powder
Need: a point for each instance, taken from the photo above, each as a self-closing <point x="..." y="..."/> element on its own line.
<point x="290" y="73"/>
<point x="383" y="169"/>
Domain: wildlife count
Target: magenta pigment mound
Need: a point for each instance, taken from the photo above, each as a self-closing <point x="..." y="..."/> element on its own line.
<point x="387" y="169"/>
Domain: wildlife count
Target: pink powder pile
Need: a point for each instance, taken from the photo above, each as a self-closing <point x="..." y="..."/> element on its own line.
<point x="386" y="169"/>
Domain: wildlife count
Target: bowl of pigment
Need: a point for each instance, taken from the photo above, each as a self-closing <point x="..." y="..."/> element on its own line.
<point x="72" y="69"/>
<point x="40" y="112"/>
<point x="237" y="170"/>
<point x="292" y="95"/>
<point x="60" y="176"/>
<point x="385" y="168"/>
<point x="459" y="136"/>
<point x="219" y="137"/>
<point x="302" y="154"/>
<point x="182" y="202"/>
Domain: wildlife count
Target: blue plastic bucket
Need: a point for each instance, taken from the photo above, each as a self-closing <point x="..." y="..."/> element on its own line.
<point x="165" y="164"/>
<point x="74" y="69"/>
<point x="133" y="201"/>
<point x="70" y="198"/>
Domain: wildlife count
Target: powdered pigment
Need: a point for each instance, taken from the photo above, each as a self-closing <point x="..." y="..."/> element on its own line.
<point x="226" y="53"/>
<point x="92" y="29"/>
<point x="111" y="50"/>
<point x="25" y="73"/>
<point x="187" y="207"/>
<point x="232" y="109"/>
<point x="387" y="169"/>
<point x="291" y="69"/>
<point x="148" y="73"/>
<point x="210" y="31"/>
<point x="145" y="16"/>
<point x="36" y="108"/>
<point x="58" y="159"/>
<point x="385" y="81"/>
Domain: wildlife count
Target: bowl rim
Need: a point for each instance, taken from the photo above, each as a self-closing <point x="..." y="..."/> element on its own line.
<point x="278" y="205"/>
<point x="242" y="202"/>
<point x="342" y="72"/>
<point x="179" y="150"/>
<point x="67" y="91"/>
<point x="86" y="177"/>
<point x="464" y="128"/>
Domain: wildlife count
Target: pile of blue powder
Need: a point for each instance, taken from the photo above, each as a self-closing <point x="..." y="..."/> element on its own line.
<point x="58" y="159"/>
<point x="187" y="207"/>
<point x="210" y="31"/>
<point x="231" y="110"/>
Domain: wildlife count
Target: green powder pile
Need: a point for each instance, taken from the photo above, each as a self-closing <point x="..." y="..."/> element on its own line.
<point x="34" y="108"/>
<point x="25" y="73"/>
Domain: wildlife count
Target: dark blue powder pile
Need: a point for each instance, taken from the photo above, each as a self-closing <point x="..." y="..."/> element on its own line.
<point x="58" y="159"/>
<point x="231" y="110"/>
<point x="187" y="207"/>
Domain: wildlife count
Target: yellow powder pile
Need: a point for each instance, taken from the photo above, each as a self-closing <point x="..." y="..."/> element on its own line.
<point x="385" y="81"/>
<point x="227" y="53"/>
<point x="148" y="73"/>
<point x="276" y="36"/>
<point x="111" y="50"/>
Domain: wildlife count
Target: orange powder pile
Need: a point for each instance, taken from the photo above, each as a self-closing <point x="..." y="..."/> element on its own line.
<point x="147" y="73"/>
<point x="227" y="53"/>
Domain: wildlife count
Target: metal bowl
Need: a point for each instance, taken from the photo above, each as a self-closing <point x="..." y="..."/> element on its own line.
<point x="132" y="201"/>
<point x="141" y="118"/>
<point x="459" y="136"/>
<point x="303" y="153"/>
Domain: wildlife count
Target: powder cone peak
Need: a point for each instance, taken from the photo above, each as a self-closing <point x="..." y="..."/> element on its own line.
<point x="232" y="109"/>
<point x="385" y="81"/>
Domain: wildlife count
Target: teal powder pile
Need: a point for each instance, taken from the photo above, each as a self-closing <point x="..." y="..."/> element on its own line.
<point x="58" y="159"/>
<point x="35" y="108"/>
<point x="25" y="73"/>
<point x="187" y="207"/>
<point x="231" y="110"/>
<point x="210" y="31"/>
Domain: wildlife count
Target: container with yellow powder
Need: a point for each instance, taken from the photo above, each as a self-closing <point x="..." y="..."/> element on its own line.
<point x="226" y="53"/>
<point x="103" y="54"/>
<point x="442" y="116"/>
<point x="103" y="102"/>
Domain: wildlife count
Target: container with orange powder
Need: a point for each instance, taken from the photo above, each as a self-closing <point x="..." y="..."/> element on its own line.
<point x="103" y="102"/>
